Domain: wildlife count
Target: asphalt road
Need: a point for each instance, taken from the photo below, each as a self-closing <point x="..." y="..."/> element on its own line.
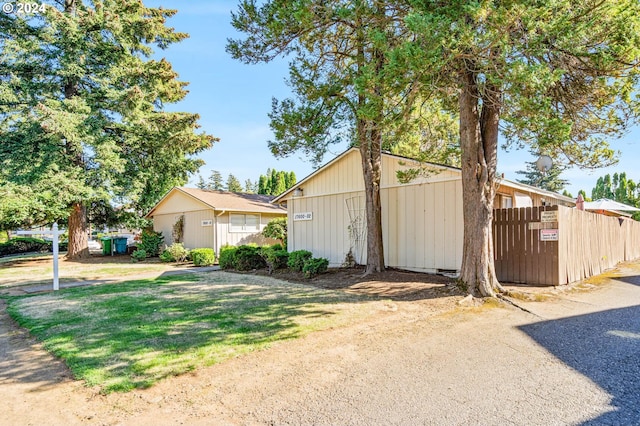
<point x="574" y="360"/>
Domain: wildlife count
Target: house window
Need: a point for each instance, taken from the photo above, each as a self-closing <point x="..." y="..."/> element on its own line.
<point x="507" y="202"/>
<point x="523" y="200"/>
<point x="244" y="223"/>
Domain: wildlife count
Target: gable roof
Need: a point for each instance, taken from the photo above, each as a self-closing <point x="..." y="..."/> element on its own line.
<point x="505" y="182"/>
<point x="223" y="200"/>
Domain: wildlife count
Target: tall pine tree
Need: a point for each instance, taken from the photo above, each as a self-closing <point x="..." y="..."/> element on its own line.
<point x="550" y="180"/>
<point x="82" y="101"/>
<point x="233" y="184"/>
<point x="215" y="181"/>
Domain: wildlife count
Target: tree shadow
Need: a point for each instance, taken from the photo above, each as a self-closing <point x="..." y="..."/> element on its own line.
<point x="393" y="284"/>
<point x="630" y="279"/>
<point x="605" y="347"/>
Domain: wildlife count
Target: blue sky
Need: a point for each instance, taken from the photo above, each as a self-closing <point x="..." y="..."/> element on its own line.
<point x="233" y="100"/>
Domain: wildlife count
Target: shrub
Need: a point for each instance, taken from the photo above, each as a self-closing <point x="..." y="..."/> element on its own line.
<point x="139" y="255"/>
<point x="203" y="256"/>
<point x="227" y="258"/>
<point x="150" y="242"/>
<point x="25" y="245"/>
<point x="275" y="257"/>
<point x="297" y="259"/>
<point x="166" y="256"/>
<point x="178" y="252"/>
<point x="315" y="266"/>
<point x="248" y="257"/>
<point x="277" y="229"/>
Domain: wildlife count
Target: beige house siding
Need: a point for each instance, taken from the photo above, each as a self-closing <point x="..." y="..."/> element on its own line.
<point x="327" y="234"/>
<point x="164" y="223"/>
<point x="178" y="202"/>
<point x="422" y="221"/>
<point x="422" y="226"/>
<point x="345" y="175"/>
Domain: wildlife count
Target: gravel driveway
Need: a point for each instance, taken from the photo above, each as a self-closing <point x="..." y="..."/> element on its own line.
<point x="573" y="359"/>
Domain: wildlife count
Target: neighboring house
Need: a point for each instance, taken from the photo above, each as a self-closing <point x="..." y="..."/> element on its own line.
<point x="214" y="218"/>
<point x="609" y="208"/>
<point x="422" y="222"/>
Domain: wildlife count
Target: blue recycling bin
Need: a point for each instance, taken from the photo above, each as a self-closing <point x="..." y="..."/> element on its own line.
<point x="120" y="245"/>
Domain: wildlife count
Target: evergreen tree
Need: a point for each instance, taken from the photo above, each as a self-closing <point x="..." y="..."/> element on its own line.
<point x="233" y="184"/>
<point x="201" y="183"/>
<point x="249" y="187"/>
<point x="273" y="182"/>
<point x="82" y="102"/>
<point x="263" y="187"/>
<point x="550" y="180"/>
<point x="281" y="184"/>
<point x="215" y="181"/>
<point x="559" y="76"/>
<point x="291" y="179"/>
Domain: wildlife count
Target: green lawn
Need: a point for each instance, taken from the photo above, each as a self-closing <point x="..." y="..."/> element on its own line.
<point x="132" y="334"/>
<point x="37" y="268"/>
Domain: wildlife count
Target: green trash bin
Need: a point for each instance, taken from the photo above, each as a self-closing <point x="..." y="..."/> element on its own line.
<point x="120" y="245"/>
<point x="106" y="245"/>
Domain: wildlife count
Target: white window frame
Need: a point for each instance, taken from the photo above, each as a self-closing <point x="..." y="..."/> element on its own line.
<point x="244" y="228"/>
<point x="506" y="201"/>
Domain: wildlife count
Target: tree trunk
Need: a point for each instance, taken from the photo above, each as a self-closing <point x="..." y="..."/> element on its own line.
<point x="371" y="156"/>
<point x="78" y="227"/>
<point x="479" y="143"/>
<point x="78" y="233"/>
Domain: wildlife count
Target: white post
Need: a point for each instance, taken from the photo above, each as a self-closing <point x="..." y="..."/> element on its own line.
<point x="56" y="283"/>
<point x="56" y="234"/>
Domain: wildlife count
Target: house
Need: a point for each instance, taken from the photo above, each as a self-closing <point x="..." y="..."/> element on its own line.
<point x="214" y="218"/>
<point x="609" y="208"/>
<point x="422" y="221"/>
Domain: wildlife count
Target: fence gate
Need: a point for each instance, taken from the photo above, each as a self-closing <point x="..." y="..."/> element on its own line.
<point x="526" y="245"/>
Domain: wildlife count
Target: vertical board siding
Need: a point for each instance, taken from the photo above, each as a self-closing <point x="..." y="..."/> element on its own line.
<point x="164" y="223"/>
<point x="326" y="235"/>
<point x="588" y="244"/>
<point x="422" y="226"/>
<point x="196" y="235"/>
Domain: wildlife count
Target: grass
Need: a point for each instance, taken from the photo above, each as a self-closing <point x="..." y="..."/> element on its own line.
<point x="132" y="334"/>
<point x="38" y="268"/>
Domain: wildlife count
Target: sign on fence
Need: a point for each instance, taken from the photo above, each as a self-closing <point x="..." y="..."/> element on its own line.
<point x="548" y="235"/>
<point x="549" y="216"/>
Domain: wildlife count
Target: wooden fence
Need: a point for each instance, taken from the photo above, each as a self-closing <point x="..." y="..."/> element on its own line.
<point x="558" y="245"/>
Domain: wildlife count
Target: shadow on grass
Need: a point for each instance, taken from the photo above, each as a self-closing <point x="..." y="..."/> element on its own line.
<point x="127" y="335"/>
<point x="605" y="347"/>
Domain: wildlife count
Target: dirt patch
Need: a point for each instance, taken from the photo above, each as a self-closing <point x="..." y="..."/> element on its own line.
<point x="394" y="284"/>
